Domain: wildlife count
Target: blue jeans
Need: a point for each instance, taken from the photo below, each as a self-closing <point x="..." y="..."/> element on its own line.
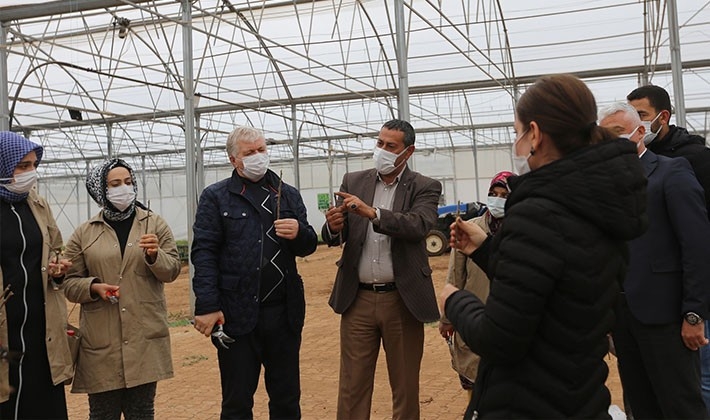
<point x="705" y="369"/>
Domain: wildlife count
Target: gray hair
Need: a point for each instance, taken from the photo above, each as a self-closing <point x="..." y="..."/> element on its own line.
<point x="624" y="107"/>
<point x="244" y="134"/>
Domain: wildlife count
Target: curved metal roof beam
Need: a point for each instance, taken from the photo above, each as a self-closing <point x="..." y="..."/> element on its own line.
<point x="451" y="42"/>
<point x="513" y="79"/>
<point x="383" y="51"/>
<point x="271" y="58"/>
<point x="39" y="66"/>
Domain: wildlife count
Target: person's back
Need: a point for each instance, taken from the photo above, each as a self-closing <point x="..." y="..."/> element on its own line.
<point x="556" y="263"/>
<point x="559" y="259"/>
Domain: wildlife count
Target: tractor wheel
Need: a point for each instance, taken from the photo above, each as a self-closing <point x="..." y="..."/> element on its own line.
<point x="436" y="243"/>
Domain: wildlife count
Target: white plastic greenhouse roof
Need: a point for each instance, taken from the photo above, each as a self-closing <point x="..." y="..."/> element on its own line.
<point x="320" y="77"/>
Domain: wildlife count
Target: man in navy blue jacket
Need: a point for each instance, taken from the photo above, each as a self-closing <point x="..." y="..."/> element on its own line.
<point x="665" y="295"/>
<point x="248" y="230"/>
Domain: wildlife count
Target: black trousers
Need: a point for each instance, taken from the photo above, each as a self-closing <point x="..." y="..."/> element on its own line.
<point x="274" y="345"/>
<point x="660" y="376"/>
<point x="137" y="403"/>
<point x="38" y="397"/>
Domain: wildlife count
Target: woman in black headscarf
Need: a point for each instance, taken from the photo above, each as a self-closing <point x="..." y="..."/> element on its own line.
<point x="122" y="258"/>
<point x="35" y="355"/>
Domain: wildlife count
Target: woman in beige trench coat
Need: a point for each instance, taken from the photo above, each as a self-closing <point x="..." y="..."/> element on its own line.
<point x="121" y="259"/>
<point x="34" y="355"/>
<point x="465" y="274"/>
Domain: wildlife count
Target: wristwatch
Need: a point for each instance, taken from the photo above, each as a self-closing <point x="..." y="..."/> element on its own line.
<point x="692" y="318"/>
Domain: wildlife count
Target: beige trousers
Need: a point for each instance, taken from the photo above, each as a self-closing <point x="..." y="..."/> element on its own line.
<point x="372" y="319"/>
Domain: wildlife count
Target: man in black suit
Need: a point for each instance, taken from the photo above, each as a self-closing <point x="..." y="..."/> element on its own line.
<point x="383" y="288"/>
<point x="665" y="295"/>
<point x="663" y="138"/>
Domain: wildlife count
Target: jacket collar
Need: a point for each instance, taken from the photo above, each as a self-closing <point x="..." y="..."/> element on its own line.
<point x="649" y="160"/>
<point x="236" y="183"/>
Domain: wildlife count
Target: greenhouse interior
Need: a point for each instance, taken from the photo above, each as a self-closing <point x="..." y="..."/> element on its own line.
<point x="161" y="84"/>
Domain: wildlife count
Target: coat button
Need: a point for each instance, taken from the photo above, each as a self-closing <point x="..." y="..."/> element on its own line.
<point x="244" y="215"/>
<point x="123" y="309"/>
<point x="125" y="342"/>
<point x="225" y="214"/>
<point x="129" y="244"/>
<point x="44" y="269"/>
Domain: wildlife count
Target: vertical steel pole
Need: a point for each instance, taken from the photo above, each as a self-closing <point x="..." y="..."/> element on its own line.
<point x="190" y="157"/>
<point x="4" y="96"/>
<point x="199" y="155"/>
<point x="676" y="64"/>
<point x="144" y="181"/>
<point x="296" y="134"/>
<point x="403" y="99"/>
<point x="109" y="140"/>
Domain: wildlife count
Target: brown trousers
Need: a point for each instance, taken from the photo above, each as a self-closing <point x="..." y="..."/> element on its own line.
<point x="371" y="319"/>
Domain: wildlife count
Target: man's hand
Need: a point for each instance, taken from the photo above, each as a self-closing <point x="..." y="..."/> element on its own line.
<point x="286" y="228"/>
<point x="693" y="335"/>
<point x="205" y="323"/>
<point x="354" y="205"/>
<point x="466" y="237"/>
<point x="335" y="216"/>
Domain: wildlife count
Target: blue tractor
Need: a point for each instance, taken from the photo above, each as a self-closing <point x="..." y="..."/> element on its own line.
<point x="437" y="241"/>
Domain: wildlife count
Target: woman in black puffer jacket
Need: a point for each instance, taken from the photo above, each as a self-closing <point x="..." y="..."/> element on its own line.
<point x="556" y="264"/>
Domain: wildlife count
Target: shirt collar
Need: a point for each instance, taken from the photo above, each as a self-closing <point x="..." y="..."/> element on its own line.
<point x="396" y="179"/>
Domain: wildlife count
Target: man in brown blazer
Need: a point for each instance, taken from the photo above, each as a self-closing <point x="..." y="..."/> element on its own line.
<point x="383" y="288"/>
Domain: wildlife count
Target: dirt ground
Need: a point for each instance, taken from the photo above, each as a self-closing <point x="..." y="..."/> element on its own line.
<point x="194" y="392"/>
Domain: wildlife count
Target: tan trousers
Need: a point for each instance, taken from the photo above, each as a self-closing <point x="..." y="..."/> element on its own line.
<point x="371" y="319"/>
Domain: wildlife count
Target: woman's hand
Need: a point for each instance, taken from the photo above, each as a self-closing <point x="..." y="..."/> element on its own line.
<point x="446" y="291"/>
<point x="59" y="269"/>
<point x="466" y="237"/>
<point x="446" y="329"/>
<point x="149" y="243"/>
<point x="104" y="291"/>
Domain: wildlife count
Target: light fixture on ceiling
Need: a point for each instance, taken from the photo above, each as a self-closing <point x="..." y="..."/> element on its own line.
<point x="123" y="24"/>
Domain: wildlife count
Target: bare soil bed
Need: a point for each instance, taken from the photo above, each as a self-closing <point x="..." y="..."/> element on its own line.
<point x="194" y="392"/>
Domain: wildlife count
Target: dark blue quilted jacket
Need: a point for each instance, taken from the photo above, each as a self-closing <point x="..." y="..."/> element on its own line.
<point x="227" y="253"/>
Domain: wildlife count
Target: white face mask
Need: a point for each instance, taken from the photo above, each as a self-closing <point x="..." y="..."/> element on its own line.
<point x="121" y="197"/>
<point x="23" y="182"/>
<point x="628" y="136"/>
<point x="255" y="166"/>
<point x="384" y="160"/>
<point x="650" y="135"/>
<point x="496" y="206"/>
<point x="520" y="163"/>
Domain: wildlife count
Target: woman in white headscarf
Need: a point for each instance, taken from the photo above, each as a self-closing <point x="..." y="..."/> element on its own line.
<point x="33" y="347"/>
<point x="122" y="258"/>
